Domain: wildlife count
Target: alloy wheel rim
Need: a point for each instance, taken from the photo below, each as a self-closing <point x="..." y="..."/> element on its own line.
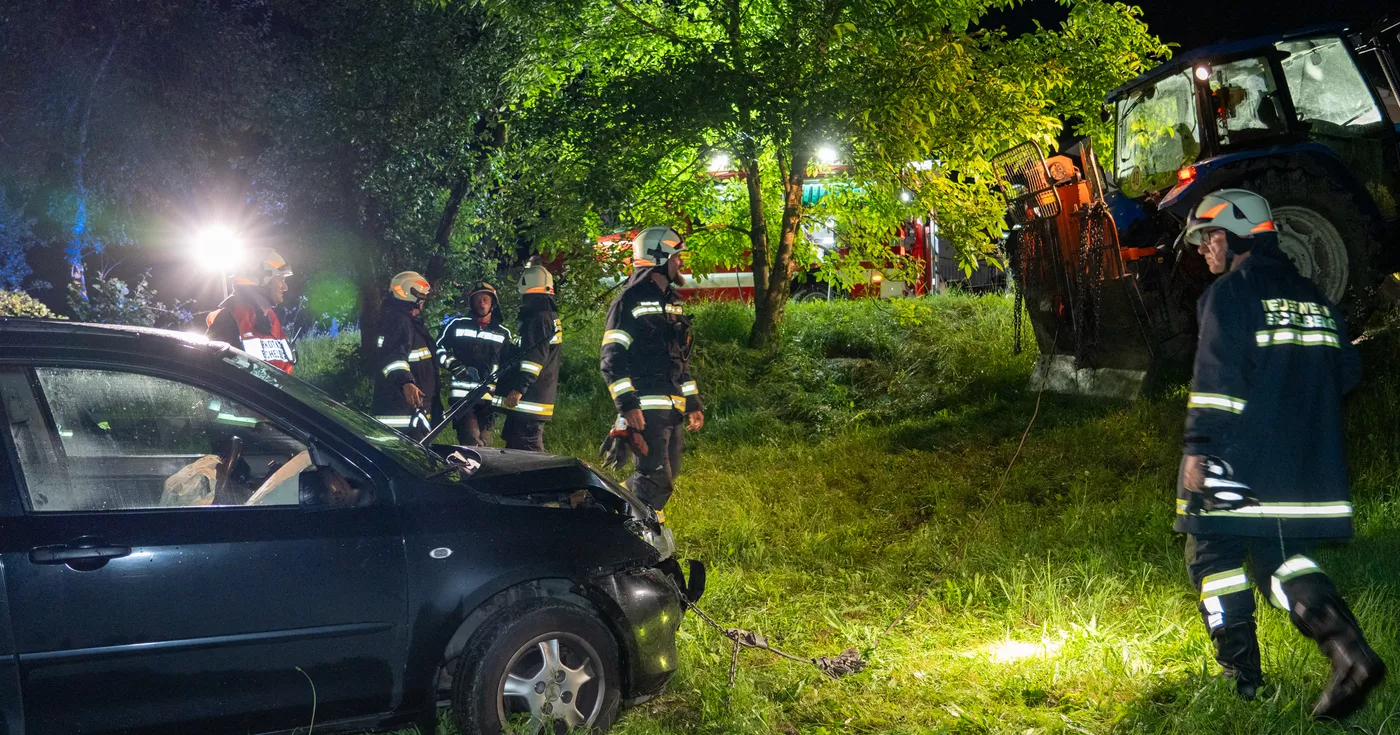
<point x="557" y="679"/>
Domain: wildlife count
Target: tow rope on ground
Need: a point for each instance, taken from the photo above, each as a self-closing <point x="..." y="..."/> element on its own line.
<point x="850" y="661"/>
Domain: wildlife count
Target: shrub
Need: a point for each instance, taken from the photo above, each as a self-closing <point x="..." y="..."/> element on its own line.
<point x="19" y="303"/>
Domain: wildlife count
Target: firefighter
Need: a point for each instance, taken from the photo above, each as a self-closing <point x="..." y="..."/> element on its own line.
<point x="247" y="319"/>
<point x="646" y="364"/>
<point x="472" y="344"/>
<point x="1264" y="477"/>
<point x="406" y="385"/>
<point x="529" y="386"/>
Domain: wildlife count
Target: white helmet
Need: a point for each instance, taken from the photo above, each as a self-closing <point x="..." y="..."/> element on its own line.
<point x="409" y="286"/>
<point x="1237" y="211"/>
<point x="258" y="270"/>
<point x="536" y="279"/>
<point x="655" y="246"/>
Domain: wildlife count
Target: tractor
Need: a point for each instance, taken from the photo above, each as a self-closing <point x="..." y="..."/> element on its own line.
<point x="1310" y="120"/>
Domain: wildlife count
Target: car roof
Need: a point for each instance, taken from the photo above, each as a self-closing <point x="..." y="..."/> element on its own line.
<point x="1190" y="58"/>
<point x="24" y="329"/>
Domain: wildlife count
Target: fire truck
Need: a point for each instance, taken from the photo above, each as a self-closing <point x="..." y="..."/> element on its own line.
<point x="916" y="239"/>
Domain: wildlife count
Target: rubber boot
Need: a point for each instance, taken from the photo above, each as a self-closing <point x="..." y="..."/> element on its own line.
<point x="1237" y="652"/>
<point x="1356" y="669"/>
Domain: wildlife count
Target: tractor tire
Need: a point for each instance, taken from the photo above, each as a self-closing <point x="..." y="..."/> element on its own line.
<point x="1323" y="231"/>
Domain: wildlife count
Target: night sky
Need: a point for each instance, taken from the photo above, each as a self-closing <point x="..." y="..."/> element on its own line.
<point x="1193" y="23"/>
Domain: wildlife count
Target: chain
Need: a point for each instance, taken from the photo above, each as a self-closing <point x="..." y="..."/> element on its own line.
<point x="1018" y="293"/>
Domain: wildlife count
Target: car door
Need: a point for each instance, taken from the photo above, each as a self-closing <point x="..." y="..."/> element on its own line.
<point x="167" y="568"/>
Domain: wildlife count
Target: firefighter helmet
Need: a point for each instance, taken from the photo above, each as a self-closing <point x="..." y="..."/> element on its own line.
<point x="482" y="287"/>
<point x="655" y="246"/>
<point x="410" y="286"/>
<point x="536" y="279"/>
<point x="259" y="270"/>
<point x="1241" y="213"/>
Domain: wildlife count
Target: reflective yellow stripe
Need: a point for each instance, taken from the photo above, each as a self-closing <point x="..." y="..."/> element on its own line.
<point x="1296" y="566"/>
<point x="395" y="365"/>
<point x="536" y="409"/>
<point x="1224" y="583"/>
<point x="397" y="422"/>
<point x="618" y="387"/>
<point x="532" y="368"/>
<point x="617" y="336"/>
<point x="1217" y="401"/>
<point x="646" y="308"/>
<point x="690" y="388"/>
<point x="674" y="309"/>
<point x="658" y="403"/>
<point x="1269" y="337"/>
<point x="1337" y="509"/>
<point x="422" y="353"/>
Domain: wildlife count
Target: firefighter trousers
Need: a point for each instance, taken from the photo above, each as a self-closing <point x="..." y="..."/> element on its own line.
<point x="657" y="470"/>
<point x="474" y="425"/>
<point x="1225" y="569"/>
<point x="523" y="432"/>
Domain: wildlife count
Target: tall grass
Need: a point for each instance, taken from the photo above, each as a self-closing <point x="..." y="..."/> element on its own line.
<point x="840" y="476"/>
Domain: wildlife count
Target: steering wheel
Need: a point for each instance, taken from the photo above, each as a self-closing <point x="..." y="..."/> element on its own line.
<point x="235" y="452"/>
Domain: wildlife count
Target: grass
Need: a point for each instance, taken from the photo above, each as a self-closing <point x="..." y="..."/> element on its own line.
<point x="842" y="475"/>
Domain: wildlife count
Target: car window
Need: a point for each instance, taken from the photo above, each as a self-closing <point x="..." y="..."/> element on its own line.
<point x="113" y="440"/>
<point x="1328" y="90"/>
<point x="1246" y="102"/>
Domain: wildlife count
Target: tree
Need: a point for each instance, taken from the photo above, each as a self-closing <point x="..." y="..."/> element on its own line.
<point x="910" y="97"/>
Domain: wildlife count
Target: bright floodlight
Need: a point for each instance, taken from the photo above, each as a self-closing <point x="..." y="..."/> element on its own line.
<point x="720" y="162"/>
<point x="827" y="154"/>
<point x="1203" y="73"/>
<point x="906" y="197"/>
<point x="218" y="248"/>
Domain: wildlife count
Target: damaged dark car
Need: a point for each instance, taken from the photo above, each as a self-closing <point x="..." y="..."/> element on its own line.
<point x="195" y="541"/>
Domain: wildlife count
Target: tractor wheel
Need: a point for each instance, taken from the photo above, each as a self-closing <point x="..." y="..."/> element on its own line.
<point x="1321" y="229"/>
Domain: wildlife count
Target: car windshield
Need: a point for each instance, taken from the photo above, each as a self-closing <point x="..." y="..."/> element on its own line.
<point x="1157" y="134"/>
<point x="410" y="454"/>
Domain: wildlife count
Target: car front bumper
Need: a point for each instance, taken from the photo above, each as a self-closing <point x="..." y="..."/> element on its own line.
<point x="647" y="608"/>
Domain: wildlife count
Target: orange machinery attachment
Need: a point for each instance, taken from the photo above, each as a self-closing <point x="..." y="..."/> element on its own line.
<point x="1083" y="304"/>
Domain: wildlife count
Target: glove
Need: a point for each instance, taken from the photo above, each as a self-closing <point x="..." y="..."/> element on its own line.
<point x="620" y="444"/>
<point x="1220" y="491"/>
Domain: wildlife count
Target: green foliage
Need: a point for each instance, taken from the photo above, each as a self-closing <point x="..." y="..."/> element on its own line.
<point x="111" y="301"/>
<point x="332" y="364"/>
<point x="641" y="98"/>
<point x="19" y="303"/>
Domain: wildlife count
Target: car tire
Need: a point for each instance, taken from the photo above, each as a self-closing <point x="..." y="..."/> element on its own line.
<point x="1321" y="228"/>
<point x="539" y="667"/>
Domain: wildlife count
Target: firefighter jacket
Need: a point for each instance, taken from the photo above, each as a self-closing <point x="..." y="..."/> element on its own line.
<point x="646" y="349"/>
<point x="403" y="355"/>
<point x="536" y="375"/>
<point x="465" y="343"/>
<point x="1272" y="363"/>
<point x="247" y="321"/>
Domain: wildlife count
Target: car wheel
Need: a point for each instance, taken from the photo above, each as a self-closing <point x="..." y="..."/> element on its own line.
<point x="547" y="667"/>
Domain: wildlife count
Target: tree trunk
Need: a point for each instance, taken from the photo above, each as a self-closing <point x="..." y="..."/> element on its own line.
<point x="442" y="240"/>
<point x="76" y="246"/>
<point x="758" y="224"/>
<point x="769" y="309"/>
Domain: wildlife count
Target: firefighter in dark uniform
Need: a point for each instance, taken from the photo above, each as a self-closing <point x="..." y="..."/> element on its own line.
<point x="646" y="364"/>
<point x="247" y="319"/>
<point x="472" y="344"/>
<point x="526" y="391"/>
<point x="406" y="384"/>
<point x="1264" y="476"/>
